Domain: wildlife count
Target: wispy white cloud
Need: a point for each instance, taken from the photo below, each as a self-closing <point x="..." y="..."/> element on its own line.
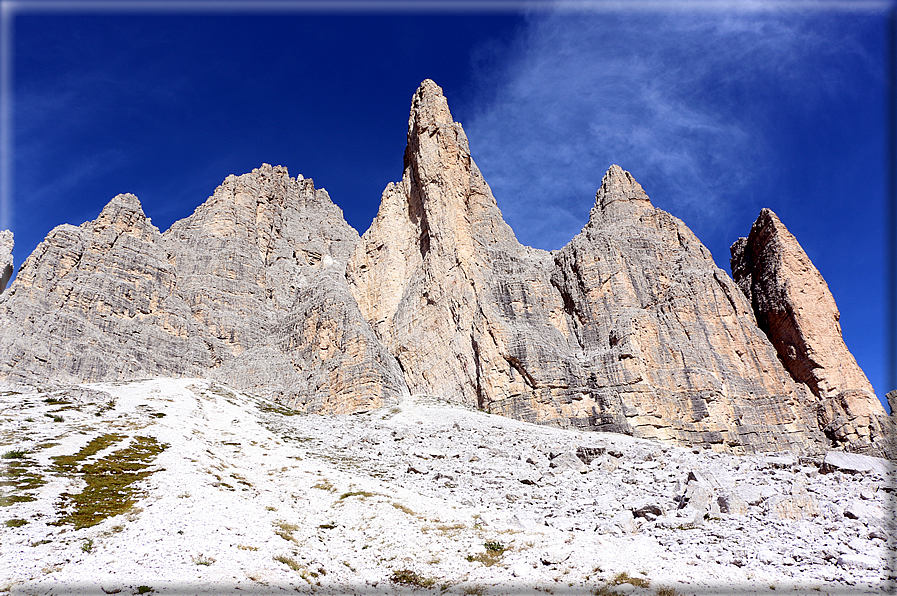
<point x="681" y="99"/>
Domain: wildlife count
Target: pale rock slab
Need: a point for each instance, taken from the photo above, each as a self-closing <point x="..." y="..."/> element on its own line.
<point x="854" y="463"/>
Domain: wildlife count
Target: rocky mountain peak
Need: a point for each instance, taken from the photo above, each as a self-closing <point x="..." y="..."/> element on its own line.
<point x="795" y="308"/>
<point x="429" y="108"/>
<point x="630" y="328"/>
<point x="620" y="195"/>
<point x="123" y="215"/>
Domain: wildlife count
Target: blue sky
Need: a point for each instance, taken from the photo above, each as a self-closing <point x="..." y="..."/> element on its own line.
<point x="717" y="111"/>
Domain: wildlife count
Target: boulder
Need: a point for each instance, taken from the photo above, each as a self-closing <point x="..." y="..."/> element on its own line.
<point x="854" y="463"/>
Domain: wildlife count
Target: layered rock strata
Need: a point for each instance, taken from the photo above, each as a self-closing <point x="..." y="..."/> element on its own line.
<point x="249" y="289"/>
<point x="796" y="310"/>
<point x="629" y="328"/>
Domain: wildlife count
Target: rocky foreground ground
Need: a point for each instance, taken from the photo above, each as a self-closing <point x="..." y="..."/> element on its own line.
<point x="186" y="486"/>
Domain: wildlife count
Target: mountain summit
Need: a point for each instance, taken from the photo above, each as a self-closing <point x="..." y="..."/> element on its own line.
<point x="629" y="328"/>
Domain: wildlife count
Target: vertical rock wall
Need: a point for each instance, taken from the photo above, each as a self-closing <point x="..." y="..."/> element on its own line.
<point x="6" y="245"/>
<point x="796" y="310"/>
<point x="629" y="328"/>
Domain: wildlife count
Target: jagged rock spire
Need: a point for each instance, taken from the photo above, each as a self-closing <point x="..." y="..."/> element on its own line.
<point x="620" y="195"/>
<point x="795" y="308"/>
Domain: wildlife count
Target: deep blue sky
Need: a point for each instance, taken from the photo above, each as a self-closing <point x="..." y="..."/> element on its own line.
<point x="716" y="113"/>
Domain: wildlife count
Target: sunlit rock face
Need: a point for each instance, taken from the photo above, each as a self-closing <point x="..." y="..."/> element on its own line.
<point x="224" y="293"/>
<point x="630" y="328"/>
<point x="796" y="310"/>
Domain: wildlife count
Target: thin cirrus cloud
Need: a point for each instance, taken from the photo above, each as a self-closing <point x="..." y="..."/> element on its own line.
<point x="689" y="102"/>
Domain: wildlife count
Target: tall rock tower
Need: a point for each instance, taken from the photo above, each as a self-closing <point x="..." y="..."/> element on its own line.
<point x="796" y="310"/>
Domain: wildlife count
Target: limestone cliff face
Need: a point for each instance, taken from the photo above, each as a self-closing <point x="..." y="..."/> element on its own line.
<point x="796" y="310"/>
<point x="668" y="341"/>
<point x="96" y="302"/>
<point x="443" y="280"/>
<point x="261" y="264"/>
<point x="223" y="293"/>
<point x="629" y="328"/>
<point x="6" y="245"/>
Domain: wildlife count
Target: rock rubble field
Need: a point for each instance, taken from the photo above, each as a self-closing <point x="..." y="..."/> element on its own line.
<point x="187" y="486"/>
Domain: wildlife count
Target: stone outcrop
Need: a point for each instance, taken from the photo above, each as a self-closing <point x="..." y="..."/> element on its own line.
<point x="249" y="289"/>
<point x="669" y="342"/>
<point x="630" y="328"/>
<point x="468" y="311"/>
<point x="6" y="246"/>
<point x="796" y="310"/>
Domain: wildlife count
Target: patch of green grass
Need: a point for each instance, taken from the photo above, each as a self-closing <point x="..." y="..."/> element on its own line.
<point x="327" y="526"/>
<point x="16" y="523"/>
<point x="404" y="509"/>
<point x="87" y="545"/>
<point x="68" y="464"/>
<point x="325" y="485"/>
<point x="14" y="454"/>
<point x="144" y="589"/>
<point x="407" y="577"/>
<point x="289" y="562"/>
<point x="56" y="400"/>
<point x="666" y="591"/>
<point x="110" y="481"/>
<point x="493" y="554"/>
<point x="474" y="590"/>
<point x="55" y="418"/>
<point x="18" y="475"/>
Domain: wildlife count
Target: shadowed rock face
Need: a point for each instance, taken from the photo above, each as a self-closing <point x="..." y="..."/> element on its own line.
<point x="224" y="293"/>
<point x="796" y="310"/>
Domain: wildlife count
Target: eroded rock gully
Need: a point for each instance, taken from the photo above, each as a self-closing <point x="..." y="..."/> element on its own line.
<point x="629" y="328"/>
